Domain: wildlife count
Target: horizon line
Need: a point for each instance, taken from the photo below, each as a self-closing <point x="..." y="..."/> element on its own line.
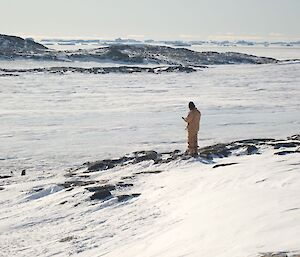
<point x="230" y="37"/>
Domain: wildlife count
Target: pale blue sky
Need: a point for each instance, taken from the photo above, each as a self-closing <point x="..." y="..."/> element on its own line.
<point x="157" y="19"/>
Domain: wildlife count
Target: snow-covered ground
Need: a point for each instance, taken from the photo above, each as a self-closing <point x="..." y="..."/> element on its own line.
<point x="51" y="123"/>
<point x="57" y="121"/>
<point x="189" y="209"/>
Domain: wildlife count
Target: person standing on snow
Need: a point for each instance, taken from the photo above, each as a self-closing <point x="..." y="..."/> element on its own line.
<point x="193" y="121"/>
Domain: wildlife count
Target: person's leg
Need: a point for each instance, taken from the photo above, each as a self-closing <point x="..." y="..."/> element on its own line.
<point x="192" y="143"/>
<point x="195" y="144"/>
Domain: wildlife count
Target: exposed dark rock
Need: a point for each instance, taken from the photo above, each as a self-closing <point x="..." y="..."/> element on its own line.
<point x="168" y="55"/>
<point x="107" y="164"/>
<point x="84" y="176"/>
<point x="149" y="172"/>
<point x="252" y="149"/>
<point x="23" y="173"/>
<point x="218" y="150"/>
<point x="122" y="184"/>
<point x="9" y="75"/>
<point x="111" y="163"/>
<point x="103" y="190"/>
<point x="99" y="188"/>
<point x="260" y="181"/>
<point x="115" y="54"/>
<point x="76" y="183"/>
<point x="248" y="146"/>
<point x="255" y="141"/>
<point x="99" y="70"/>
<point x="5" y="176"/>
<point x="122" y="198"/>
<point x="175" y="152"/>
<point x="102" y="165"/>
<point x="286" y="152"/>
<point x="70" y="174"/>
<point x="224" y="164"/>
<point x="128" y="177"/>
<point x="37" y="189"/>
<point x="294" y="137"/>
<point x="11" y="46"/>
<point x="286" y="145"/>
<point x="101" y="194"/>
<point x="167" y="157"/>
<point x="66" y="239"/>
<point x="279" y="254"/>
<point x="62" y="203"/>
<point x="136" y="195"/>
<point x="145" y="156"/>
<point x="177" y="68"/>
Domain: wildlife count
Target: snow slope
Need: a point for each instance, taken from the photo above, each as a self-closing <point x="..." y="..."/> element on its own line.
<point x="189" y="208"/>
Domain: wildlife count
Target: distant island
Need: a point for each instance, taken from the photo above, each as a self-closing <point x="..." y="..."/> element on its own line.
<point x="12" y="47"/>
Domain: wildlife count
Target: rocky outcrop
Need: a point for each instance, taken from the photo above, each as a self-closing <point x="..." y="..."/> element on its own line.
<point x="122" y="198"/>
<point x="287" y="152"/>
<point x="136" y="157"/>
<point x="240" y="147"/>
<point x="121" y="189"/>
<point x="104" y="190"/>
<point x="100" y="188"/>
<point x="12" y="46"/>
<point x="15" y="47"/>
<point x="279" y="254"/>
<point x="224" y="164"/>
<point x="98" y="70"/>
<point x="183" y="56"/>
<point x="101" y="194"/>
<point x="77" y="183"/>
<point x="5" y="176"/>
<point x="167" y="55"/>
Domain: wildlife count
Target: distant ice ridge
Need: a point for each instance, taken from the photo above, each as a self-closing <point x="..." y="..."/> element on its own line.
<point x="178" y="43"/>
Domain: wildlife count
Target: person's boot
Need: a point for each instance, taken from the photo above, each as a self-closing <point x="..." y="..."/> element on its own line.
<point x="194" y="153"/>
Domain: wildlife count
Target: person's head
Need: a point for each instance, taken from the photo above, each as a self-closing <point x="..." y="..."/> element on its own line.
<point x="192" y="106"/>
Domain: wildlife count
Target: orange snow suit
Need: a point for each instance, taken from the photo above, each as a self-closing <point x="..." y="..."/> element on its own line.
<point x="193" y="121"/>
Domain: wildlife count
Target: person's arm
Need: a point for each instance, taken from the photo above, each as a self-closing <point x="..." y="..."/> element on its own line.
<point x="189" y="118"/>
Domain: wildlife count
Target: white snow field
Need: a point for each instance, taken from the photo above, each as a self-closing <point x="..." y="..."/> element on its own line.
<point x="189" y="209"/>
<point x="57" y="121"/>
<point x="51" y="124"/>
